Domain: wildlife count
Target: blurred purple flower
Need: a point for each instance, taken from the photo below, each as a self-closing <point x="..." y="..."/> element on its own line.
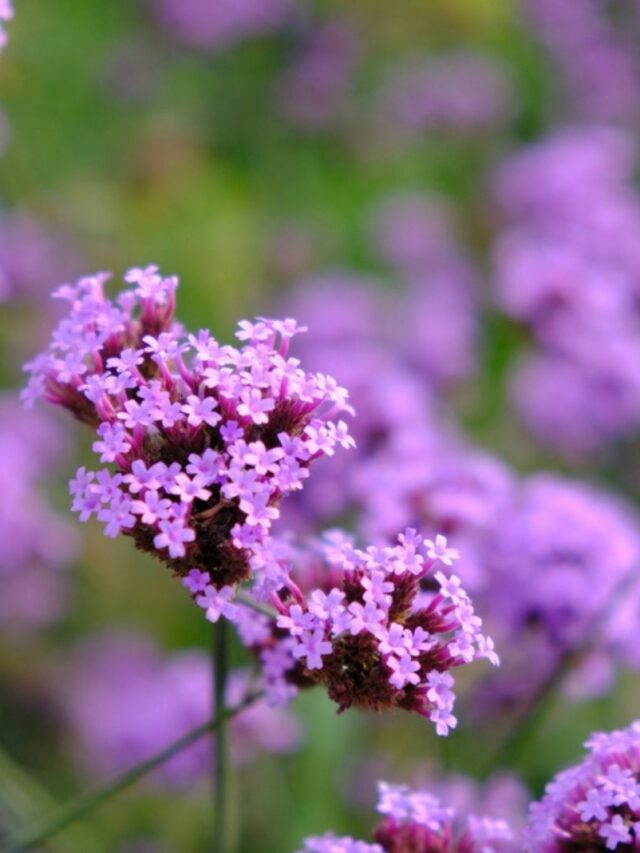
<point x="313" y="90"/>
<point x="36" y="544"/>
<point x="456" y="93"/>
<point x="33" y="258"/>
<point x="561" y="559"/>
<point x="597" y="58"/>
<point x="436" y="321"/>
<point x="219" y="25"/>
<point x="126" y="701"/>
<point x="568" y="266"/>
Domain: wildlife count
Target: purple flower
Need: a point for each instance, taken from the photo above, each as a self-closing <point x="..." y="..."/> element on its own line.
<point x="567" y="266"/>
<point x="216" y="602"/>
<point x="594" y="805"/>
<point x="396" y="650"/>
<point x="36" y="545"/>
<point x="205" y="439"/>
<point x="415" y="819"/>
<point x="220" y="25"/>
<point x="174" y="536"/>
<point x="312" y="92"/>
<point x="125" y="701"/>
<point x="594" y="56"/>
<point x="458" y="92"/>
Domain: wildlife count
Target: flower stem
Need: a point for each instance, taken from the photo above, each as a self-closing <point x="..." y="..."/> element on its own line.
<point x="83" y="805"/>
<point x="223" y="837"/>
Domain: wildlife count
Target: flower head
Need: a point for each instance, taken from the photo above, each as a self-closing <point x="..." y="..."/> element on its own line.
<point x="596" y="804"/>
<point x="385" y="635"/>
<point x="200" y="434"/>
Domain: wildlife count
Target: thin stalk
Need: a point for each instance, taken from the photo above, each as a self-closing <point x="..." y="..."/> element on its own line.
<point x="252" y="604"/>
<point x="83" y="805"/>
<point x="222" y="834"/>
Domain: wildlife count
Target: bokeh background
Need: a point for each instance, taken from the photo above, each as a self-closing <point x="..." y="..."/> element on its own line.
<point x="358" y="164"/>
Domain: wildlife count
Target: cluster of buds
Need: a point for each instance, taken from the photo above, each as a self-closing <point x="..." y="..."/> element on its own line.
<point x="596" y="804"/>
<point x="199" y="441"/>
<point x="378" y="633"/>
<point x="416" y="822"/>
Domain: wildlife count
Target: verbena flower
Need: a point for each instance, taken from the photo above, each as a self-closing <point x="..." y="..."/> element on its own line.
<point x="596" y="804"/>
<point x="593" y="48"/>
<point x="559" y="577"/>
<point x="416" y="235"/>
<point x="378" y="632"/>
<point x="416" y="821"/>
<point x="199" y="441"/>
<point x="33" y="258"/>
<point x="567" y="266"/>
<point x="124" y="701"/>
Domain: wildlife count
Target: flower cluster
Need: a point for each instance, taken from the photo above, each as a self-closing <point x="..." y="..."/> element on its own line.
<point x="218" y="26"/>
<point x="124" y="701"/>
<point x="33" y="258"/>
<point x="457" y="92"/>
<point x="378" y="633"/>
<point x="596" y="804"/>
<point x="545" y="594"/>
<point x="416" y="820"/>
<point x="594" y="48"/>
<point x="36" y="544"/>
<point x="204" y="439"/>
<point x="567" y="266"/>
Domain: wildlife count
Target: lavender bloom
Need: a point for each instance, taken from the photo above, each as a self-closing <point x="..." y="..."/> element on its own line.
<point x="416" y="820"/>
<point x="569" y="267"/>
<point x="312" y="92"/>
<point x="415" y="235"/>
<point x="558" y="560"/>
<point x="600" y="399"/>
<point x="564" y="172"/>
<point x="376" y="633"/>
<point x="126" y="701"/>
<point x="597" y="59"/>
<point x="358" y="330"/>
<point x="32" y="258"/>
<point x="220" y="25"/>
<point x="594" y="805"/>
<point x="36" y="545"/>
<point x="344" y="310"/>
<point x="412" y="232"/>
<point x="205" y="439"/>
<point x="455" y="93"/>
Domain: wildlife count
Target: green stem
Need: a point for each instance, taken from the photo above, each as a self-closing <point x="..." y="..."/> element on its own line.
<point x="223" y="841"/>
<point x="251" y="603"/>
<point x="87" y="803"/>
